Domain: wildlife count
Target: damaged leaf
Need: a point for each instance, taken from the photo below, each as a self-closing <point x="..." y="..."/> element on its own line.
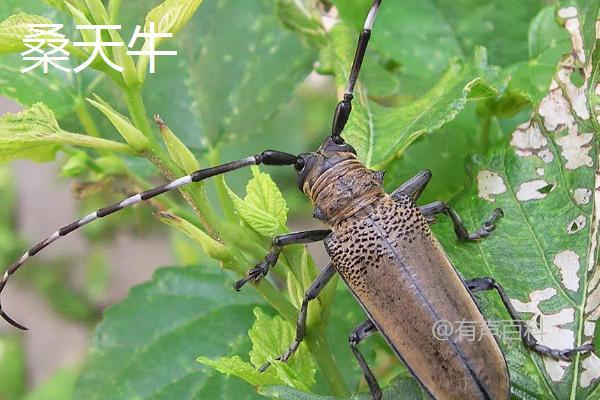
<point x="544" y="251"/>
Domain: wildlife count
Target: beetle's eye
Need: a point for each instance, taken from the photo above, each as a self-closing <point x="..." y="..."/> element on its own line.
<point x="299" y="165"/>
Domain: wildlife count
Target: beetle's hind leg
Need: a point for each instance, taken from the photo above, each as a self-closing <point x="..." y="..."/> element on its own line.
<point x="311" y="294"/>
<point x="361" y="332"/>
<point x="279" y="242"/>
<point x="438" y="207"/>
<point x="479" y="284"/>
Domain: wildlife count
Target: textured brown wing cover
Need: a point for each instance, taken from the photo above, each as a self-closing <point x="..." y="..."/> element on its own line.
<point x="393" y="264"/>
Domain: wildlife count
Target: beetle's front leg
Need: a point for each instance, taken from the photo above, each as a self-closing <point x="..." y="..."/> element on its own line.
<point x="479" y="284"/>
<point x="279" y="242"/>
<point x="361" y="332"/>
<point x="311" y="294"/>
<point x="438" y="207"/>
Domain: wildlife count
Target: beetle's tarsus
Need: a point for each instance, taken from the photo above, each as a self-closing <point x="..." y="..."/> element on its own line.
<point x="255" y="274"/>
<point x="361" y="332"/>
<point x="431" y="210"/>
<point x="261" y="269"/>
<point x="479" y="284"/>
<point x="564" y="355"/>
<point x="264" y="367"/>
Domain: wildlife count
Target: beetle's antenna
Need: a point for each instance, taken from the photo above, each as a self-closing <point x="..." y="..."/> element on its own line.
<point x="269" y="157"/>
<point x="344" y="107"/>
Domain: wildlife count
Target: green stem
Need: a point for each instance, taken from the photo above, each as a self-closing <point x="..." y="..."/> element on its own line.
<point x="197" y="197"/>
<point x="113" y="10"/>
<point x="98" y="65"/>
<point x="224" y="200"/>
<point x="85" y="118"/>
<point x="319" y="348"/>
<point x="75" y="139"/>
<point x="317" y="345"/>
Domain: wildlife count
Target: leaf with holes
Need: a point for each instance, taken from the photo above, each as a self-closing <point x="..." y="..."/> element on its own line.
<point x="181" y="313"/>
<point x="544" y="251"/>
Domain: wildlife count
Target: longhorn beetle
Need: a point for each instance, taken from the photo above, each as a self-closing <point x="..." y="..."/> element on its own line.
<point x="382" y="247"/>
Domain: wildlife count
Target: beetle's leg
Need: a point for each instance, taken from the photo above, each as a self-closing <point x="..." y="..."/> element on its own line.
<point x="344" y="107"/>
<point x="279" y="242"/>
<point x="361" y="332"/>
<point x="479" y="284"/>
<point x="414" y="186"/>
<point x="438" y="207"/>
<point x="311" y="294"/>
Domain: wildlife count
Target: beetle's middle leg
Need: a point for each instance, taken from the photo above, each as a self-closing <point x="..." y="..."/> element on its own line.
<point x="279" y="242"/>
<point x="439" y="207"/>
<point x="361" y="332"/>
<point x="311" y="294"/>
<point x="479" y="284"/>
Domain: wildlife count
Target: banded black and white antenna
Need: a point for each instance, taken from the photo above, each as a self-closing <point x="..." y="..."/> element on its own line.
<point x="344" y="107"/>
<point x="269" y="157"/>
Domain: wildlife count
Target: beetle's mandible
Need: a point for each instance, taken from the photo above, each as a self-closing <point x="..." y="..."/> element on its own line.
<point x="382" y="247"/>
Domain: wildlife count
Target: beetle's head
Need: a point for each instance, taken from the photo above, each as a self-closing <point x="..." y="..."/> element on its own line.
<point x="311" y="166"/>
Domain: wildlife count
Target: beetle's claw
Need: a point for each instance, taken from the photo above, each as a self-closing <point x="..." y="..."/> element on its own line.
<point x="255" y="274"/>
<point x="567" y="355"/>
<point x="12" y="321"/>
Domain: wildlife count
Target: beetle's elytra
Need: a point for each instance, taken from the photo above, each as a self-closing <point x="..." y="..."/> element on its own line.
<point x="382" y="247"/>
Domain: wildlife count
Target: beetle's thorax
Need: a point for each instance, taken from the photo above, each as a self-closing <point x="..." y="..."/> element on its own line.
<point x="343" y="189"/>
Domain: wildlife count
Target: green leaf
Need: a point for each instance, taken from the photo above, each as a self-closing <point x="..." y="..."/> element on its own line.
<point x="130" y="133"/>
<point x="177" y="150"/>
<point x="26" y="134"/>
<point x="171" y="16"/>
<point x="14" y="29"/>
<point x="263" y="208"/>
<point x="12" y="368"/>
<point x="304" y="17"/>
<point x="544" y="251"/>
<point x="56" y="89"/>
<point x="211" y="247"/>
<point x="380" y="132"/>
<point x="401" y="388"/>
<point x="547" y="43"/>
<point x="230" y="78"/>
<point x="98" y="11"/>
<point x="146" y="345"/>
<point x="62" y="4"/>
<point x="421" y="37"/>
<point x="237" y="367"/>
<point x="270" y="337"/>
<point x="34" y="134"/>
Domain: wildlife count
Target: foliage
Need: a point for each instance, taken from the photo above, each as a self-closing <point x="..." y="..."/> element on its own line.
<point x="499" y="99"/>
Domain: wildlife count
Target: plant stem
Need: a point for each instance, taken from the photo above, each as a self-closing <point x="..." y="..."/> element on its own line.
<point x="113" y="10"/>
<point x="224" y="200"/>
<point x="317" y="345"/>
<point x="85" y="118"/>
<point x="319" y="348"/>
<point x="75" y="139"/>
<point x="197" y="197"/>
